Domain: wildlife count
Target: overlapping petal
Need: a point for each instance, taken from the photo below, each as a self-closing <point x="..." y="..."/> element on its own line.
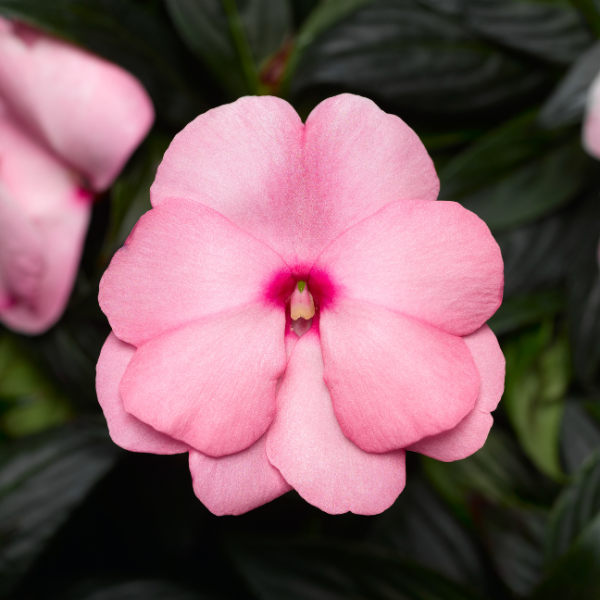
<point x="91" y="113"/>
<point x="237" y="483"/>
<point x="47" y="195"/>
<point x="211" y="383"/>
<point x="296" y="188"/>
<point x="126" y="430"/>
<point x="394" y="380"/>
<point x="182" y="262"/>
<point x="434" y="261"/>
<point x="470" y="434"/>
<point x="306" y="444"/>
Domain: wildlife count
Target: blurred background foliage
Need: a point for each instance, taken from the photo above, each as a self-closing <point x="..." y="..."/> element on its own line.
<point x="496" y="89"/>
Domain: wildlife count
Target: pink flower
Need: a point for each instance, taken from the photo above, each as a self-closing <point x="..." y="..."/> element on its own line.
<point x="68" y="123"/>
<point x="256" y="218"/>
<point x="591" y="123"/>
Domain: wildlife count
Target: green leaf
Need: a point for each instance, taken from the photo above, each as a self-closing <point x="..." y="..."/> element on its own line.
<point x="29" y="400"/>
<point x="583" y="286"/>
<point x="580" y="436"/>
<point x="517" y="173"/>
<point x="127" y="33"/>
<point x="514" y="539"/>
<point x="323" y="571"/>
<point x="234" y="38"/>
<point x="575" y="509"/>
<point x="566" y="104"/>
<point x="575" y="575"/>
<point x="518" y="311"/>
<point x="322" y="18"/>
<point x="420" y="527"/>
<point x="498" y="472"/>
<point x="537" y="376"/>
<point x="136" y="589"/>
<point x="551" y="32"/>
<point x="401" y="52"/>
<point x="42" y="479"/>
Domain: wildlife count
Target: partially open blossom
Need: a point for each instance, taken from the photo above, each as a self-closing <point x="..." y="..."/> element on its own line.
<point x="297" y="311"/>
<point x="591" y="122"/>
<point x="68" y="123"/>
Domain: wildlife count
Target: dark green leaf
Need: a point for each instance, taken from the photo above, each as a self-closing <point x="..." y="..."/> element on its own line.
<point x="575" y="509"/>
<point x="575" y="576"/>
<point x="234" y="39"/>
<point x="566" y="104"/>
<point x="580" y="436"/>
<point x="29" y="401"/>
<point x="422" y="528"/>
<point x="42" y="479"/>
<point x="514" y="538"/>
<point x="517" y="174"/>
<point x="402" y="52"/>
<point x="537" y="375"/>
<point x="519" y="311"/>
<point x="498" y="472"/>
<point x="541" y="255"/>
<point x="322" y="571"/>
<point x="325" y="15"/>
<point x="124" y="32"/>
<point x="139" y="589"/>
<point x="551" y="32"/>
<point x="584" y="292"/>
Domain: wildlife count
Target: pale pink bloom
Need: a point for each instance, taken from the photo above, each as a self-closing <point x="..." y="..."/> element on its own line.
<point x="204" y="356"/>
<point x="591" y="122"/>
<point x="68" y="123"/>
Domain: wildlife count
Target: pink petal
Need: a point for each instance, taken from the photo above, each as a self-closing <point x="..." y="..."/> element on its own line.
<point x="470" y="434"/>
<point x="125" y="430"/>
<point x="21" y="256"/>
<point x="212" y="383"/>
<point x="183" y="261"/>
<point x="296" y="188"/>
<point x="591" y="124"/>
<point x="434" y="261"/>
<point x="394" y="380"/>
<point x="306" y="444"/>
<point x="49" y="197"/>
<point x="237" y="483"/>
<point x="92" y="113"/>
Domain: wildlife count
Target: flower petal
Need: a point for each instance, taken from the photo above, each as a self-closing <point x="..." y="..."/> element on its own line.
<point x="296" y="188"/>
<point x="434" y="261"/>
<point x="49" y="197"/>
<point x="306" y="444"/>
<point x="394" y="380"/>
<point x="212" y="383"/>
<point x="183" y="261"/>
<point x="92" y="113"/>
<point x="591" y="124"/>
<point x="125" y="430"/>
<point x="470" y="434"/>
<point x="237" y="483"/>
<point x="21" y="256"/>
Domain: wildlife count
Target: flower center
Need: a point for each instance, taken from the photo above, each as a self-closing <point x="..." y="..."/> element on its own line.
<point x="302" y="304"/>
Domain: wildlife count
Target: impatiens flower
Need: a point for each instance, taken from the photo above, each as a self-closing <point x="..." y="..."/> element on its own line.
<point x="296" y="310"/>
<point x="591" y="123"/>
<point x="68" y="123"/>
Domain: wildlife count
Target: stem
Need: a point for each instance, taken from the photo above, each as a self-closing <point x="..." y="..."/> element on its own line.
<point x="241" y="45"/>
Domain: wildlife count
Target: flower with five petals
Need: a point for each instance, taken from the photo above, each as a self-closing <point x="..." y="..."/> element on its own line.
<point x="297" y="310"/>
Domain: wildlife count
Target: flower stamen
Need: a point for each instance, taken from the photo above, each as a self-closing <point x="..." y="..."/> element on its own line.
<point x="302" y="305"/>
